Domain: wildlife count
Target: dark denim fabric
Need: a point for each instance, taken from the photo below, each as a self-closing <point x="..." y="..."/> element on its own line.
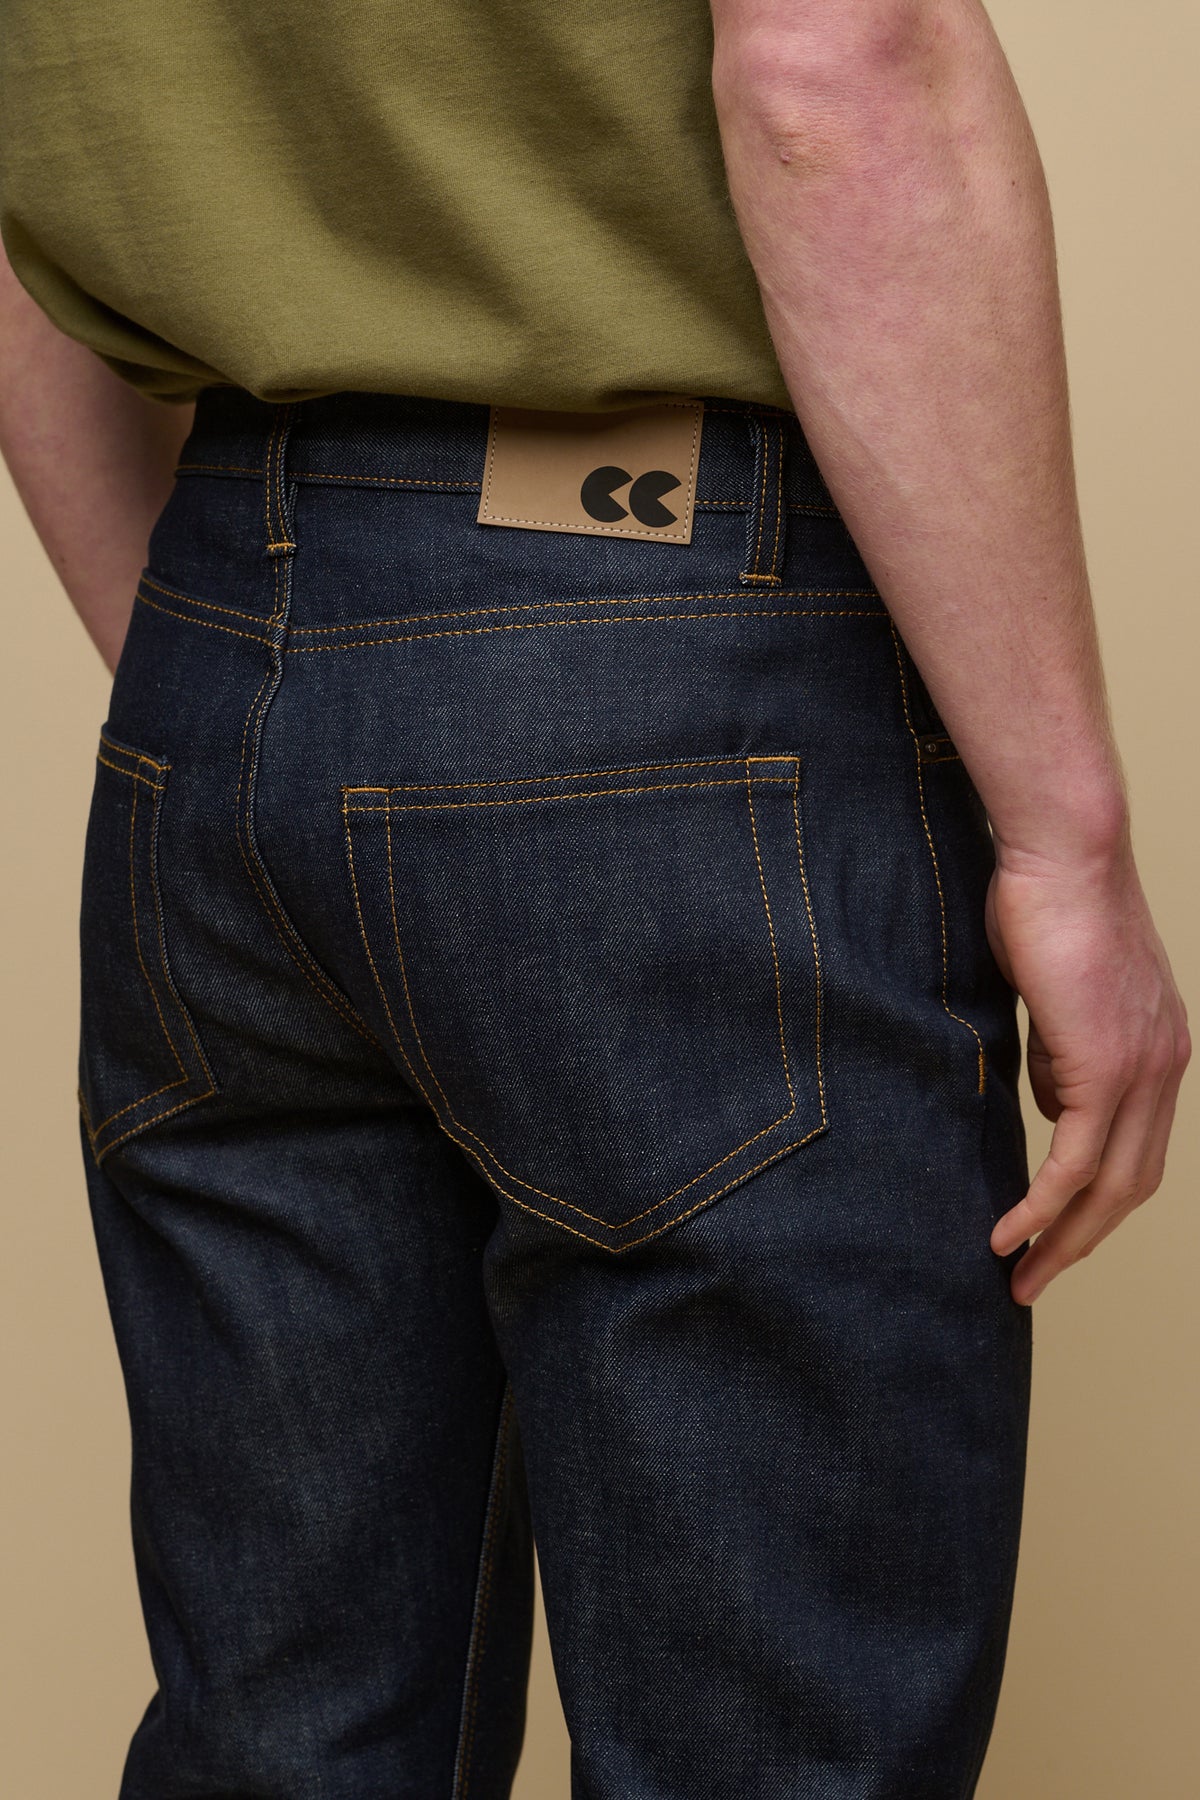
<point x="543" y="1072"/>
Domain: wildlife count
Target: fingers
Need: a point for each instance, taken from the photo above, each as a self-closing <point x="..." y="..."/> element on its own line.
<point x="1156" y="1156"/>
<point x="1096" y="1173"/>
<point x="1072" y="1163"/>
<point x="1119" y="1184"/>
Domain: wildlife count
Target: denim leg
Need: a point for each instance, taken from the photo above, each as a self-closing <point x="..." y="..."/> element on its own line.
<point x="776" y="1463"/>
<point x="539" y="1025"/>
<point x="317" y="1410"/>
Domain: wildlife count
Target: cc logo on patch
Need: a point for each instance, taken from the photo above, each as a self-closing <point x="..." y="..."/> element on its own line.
<point x="596" y="496"/>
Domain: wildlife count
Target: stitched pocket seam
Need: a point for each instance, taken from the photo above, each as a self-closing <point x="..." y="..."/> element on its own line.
<point x="200" y="1071"/>
<point x="455" y="1128"/>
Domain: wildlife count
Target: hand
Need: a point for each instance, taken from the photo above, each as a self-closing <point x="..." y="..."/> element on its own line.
<point x="1108" y="1045"/>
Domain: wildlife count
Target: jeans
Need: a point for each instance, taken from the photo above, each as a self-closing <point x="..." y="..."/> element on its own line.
<point x="543" y="1076"/>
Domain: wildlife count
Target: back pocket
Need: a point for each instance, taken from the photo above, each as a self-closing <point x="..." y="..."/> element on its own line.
<point x="607" y="985"/>
<point x="140" y="1059"/>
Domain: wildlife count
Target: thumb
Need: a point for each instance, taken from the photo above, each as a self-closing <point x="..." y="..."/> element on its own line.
<point x="1041" y="1075"/>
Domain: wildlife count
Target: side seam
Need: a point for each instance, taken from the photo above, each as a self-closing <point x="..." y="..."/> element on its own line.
<point x="463" y="1761"/>
<point x="921" y="758"/>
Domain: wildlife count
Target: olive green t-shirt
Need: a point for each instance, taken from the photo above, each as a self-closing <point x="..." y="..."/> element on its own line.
<point x="511" y="201"/>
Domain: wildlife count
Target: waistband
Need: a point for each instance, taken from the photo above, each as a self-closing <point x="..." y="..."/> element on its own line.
<point x="404" y="443"/>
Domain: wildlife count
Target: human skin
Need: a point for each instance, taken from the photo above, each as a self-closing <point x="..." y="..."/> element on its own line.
<point x="92" y="458"/>
<point x="892" y="203"/>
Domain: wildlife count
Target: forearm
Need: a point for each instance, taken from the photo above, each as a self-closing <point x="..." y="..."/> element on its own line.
<point x="91" y="458"/>
<point x="893" y="205"/>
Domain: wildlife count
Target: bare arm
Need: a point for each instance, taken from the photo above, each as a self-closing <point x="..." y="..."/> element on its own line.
<point x="893" y="204"/>
<point x="91" y="458"/>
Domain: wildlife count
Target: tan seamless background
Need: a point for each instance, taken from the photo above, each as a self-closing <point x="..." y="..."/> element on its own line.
<point x="1103" y="1675"/>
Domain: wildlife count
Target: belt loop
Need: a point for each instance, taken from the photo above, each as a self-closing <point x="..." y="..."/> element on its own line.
<point x="766" y="532"/>
<point x="280" y="544"/>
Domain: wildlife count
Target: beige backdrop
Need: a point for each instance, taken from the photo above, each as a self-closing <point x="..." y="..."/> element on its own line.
<point x="1103" y="1675"/>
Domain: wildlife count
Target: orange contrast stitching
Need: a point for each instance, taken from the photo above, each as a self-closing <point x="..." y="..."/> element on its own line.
<point x="775" y="576"/>
<point x="137" y="942"/>
<point x="697" y="409"/>
<point x="762" y="882"/>
<point x="937" y="873"/>
<point x="463" y="1128"/>
<point x="529" y="1186"/>
<point x="657" y="787"/>
<point x="185" y="1075"/>
<point x="137" y="755"/>
<point x="421" y="637"/>
<point x="764" y="452"/>
<point x="818" y="972"/>
<point x="434" y="483"/>
<point x="208" y="605"/>
<point x="266" y="893"/>
<point x="259" y="879"/>
<point x="425" y="481"/>
<point x="362" y="927"/>
<point x="274" y="462"/>
<point x="619" y="1249"/>
<point x="446" y="787"/>
<point x="130" y="774"/>
<point x="468" y="612"/>
<point x="208" y="624"/>
<point x="267" y="483"/>
<point x="156" y="1120"/>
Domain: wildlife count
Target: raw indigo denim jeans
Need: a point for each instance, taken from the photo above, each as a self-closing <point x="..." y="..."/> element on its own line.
<point x="544" y="1077"/>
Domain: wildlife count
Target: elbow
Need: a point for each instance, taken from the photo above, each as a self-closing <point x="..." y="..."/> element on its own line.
<point x="827" y="88"/>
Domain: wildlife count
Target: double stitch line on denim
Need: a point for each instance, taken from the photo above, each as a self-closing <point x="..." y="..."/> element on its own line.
<point x="280" y="546"/>
<point x="590" y="600"/>
<point x="186" y="1076"/>
<point x="767" y="520"/>
<point x="482" y="1153"/>
<point x="588" y="1237"/>
<point x="487" y="1151"/>
<point x="435" y="484"/>
<point x="933" y="855"/>
<point x="278" y="537"/>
